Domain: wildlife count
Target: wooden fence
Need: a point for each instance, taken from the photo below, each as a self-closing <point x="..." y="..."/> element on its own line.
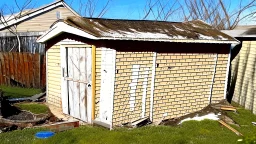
<point x="9" y="42"/>
<point x="22" y="69"/>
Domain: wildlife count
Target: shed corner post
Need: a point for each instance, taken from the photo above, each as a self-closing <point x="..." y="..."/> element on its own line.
<point x="227" y="73"/>
<point x="93" y="80"/>
<point x="152" y="86"/>
<point x="113" y="89"/>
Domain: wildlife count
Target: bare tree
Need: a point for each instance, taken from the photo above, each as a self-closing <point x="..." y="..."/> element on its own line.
<point x="218" y="13"/>
<point x="161" y="9"/>
<point x="91" y="8"/>
<point x="6" y="20"/>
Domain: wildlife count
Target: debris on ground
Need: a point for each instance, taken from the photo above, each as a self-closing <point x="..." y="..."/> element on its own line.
<point x="224" y="107"/>
<point x="137" y="123"/>
<point x="210" y="116"/>
<point x="212" y="111"/>
<point x="254" y="123"/>
<point x="140" y="122"/>
<point x="61" y="126"/>
<point x="229" y="127"/>
<point x="34" y="98"/>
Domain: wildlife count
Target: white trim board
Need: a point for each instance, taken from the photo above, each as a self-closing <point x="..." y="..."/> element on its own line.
<point x="62" y="27"/>
<point x="152" y="86"/>
<point x="108" y="63"/>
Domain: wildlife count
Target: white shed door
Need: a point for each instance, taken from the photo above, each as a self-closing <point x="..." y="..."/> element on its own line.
<point x="76" y="98"/>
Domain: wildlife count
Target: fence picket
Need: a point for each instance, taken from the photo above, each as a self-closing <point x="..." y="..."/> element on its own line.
<point x="22" y="69"/>
<point x="7" y="69"/>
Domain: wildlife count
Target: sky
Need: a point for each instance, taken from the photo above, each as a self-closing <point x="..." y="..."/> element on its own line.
<point x="118" y="9"/>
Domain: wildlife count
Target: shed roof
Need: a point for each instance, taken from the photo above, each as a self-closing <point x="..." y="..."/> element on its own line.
<point x="144" y="30"/>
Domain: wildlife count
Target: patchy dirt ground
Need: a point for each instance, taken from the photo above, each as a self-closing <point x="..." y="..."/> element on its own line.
<point x="23" y="115"/>
<point x="14" y="118"/>
<point x="222" y="115"/>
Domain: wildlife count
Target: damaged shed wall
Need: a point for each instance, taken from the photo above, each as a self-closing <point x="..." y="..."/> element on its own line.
<point x="182" y="84"/>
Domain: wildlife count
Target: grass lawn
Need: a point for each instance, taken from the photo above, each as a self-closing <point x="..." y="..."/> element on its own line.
<point x="194" y="132"/>
<point x="33" y="107"/>
<point x="18" y="92"/>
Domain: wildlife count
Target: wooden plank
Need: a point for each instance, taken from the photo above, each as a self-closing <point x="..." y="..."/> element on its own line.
<point x="2" y="68"/>
<point x="15" y="70"/>
<point x="11" y="65"/>
<point x="31" y="69"/>
<point x="76" y="87"/>
<point x="1" y="74"/>
<point x="62" y="126"/>
<point x="22" y="68"/>
<point x="36" y="70"/>
<point x="70" y="83"/>
<point x="83" y="86"/>
<point x="26" y="68"/>
<point x="43" y="71"/>
<point x="7" y="69"/>
<point x="230" y="128"/>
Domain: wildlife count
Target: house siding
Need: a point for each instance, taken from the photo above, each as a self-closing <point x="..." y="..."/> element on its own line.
<point x="124" y="65"/>
<point x="54" y="76"/>
<point x="182" y="84"/>
<point x="243" y="76"/>
<point x="98" y="81"/>
<point x="42" y="22"/>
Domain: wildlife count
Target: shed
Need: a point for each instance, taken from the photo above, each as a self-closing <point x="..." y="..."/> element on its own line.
<point x="243" y="66"/>
<point x="114" y="72"/>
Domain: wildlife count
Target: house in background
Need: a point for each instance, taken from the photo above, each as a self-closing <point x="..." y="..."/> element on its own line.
<point x="114" y="72"/>
<point x="30" y="25"/>
<point x="243" y="77"/>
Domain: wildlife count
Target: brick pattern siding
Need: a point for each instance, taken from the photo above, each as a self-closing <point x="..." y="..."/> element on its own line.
<point x="182" y="84"/>
<point x="124" y="64"/>
<point x="219" y="80"/>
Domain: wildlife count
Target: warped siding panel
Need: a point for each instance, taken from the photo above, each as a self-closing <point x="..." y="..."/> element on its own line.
<point x="54" y="76"/>
<point x="244" y="77"/>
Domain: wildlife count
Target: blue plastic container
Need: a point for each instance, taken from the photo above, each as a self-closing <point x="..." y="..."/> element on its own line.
<point x="44" y="134"/>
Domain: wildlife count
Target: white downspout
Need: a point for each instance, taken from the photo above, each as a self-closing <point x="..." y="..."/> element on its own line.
<point x="213" y="77"/>
<point x="152" y="86"/>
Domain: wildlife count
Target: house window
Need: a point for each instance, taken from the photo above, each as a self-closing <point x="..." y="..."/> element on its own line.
<point x="58" y="16"/>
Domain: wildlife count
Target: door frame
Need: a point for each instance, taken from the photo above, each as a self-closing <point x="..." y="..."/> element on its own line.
<point x="64" y="86"/>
